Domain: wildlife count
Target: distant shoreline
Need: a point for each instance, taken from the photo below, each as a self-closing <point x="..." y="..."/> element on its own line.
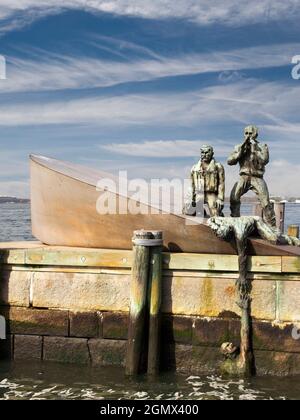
<point x="14" y="200"/>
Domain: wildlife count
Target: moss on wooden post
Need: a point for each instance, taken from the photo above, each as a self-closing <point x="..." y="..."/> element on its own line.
<point x="155" y="300"/>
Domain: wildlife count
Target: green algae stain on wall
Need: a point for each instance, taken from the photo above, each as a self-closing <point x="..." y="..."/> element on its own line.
<point x="297" y="264"/>
<point x="207" y="297"/>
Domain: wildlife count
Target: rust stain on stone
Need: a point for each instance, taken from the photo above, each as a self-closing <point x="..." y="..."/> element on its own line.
<point x="230" y="291"/>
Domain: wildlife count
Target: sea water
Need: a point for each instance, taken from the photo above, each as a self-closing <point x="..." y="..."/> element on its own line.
<point x="30" y="381"/>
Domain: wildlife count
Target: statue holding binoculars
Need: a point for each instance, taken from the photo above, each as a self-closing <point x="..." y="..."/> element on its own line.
<point x="252" y="156"/>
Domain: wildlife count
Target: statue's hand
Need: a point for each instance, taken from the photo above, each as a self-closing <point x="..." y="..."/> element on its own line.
<point x="246" y="144"/>
<point x="247" y="139"/>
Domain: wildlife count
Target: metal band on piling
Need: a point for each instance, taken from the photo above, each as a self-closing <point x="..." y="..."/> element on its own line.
<point x="147" y="242"/>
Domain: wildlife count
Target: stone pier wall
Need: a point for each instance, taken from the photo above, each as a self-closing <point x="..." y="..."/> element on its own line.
<point x="71" y="305"/>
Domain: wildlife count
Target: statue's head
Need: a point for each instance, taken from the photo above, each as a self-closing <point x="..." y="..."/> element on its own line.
<point x="207" y="153"/>
<point x="229" y="350"/>
<point x="251" y="132"/>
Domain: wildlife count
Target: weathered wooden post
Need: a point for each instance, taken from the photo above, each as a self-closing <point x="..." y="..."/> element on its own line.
<point x="155" y="300"/>
<point x="293" y="230"/>
<point x="138" y="299"/>
<point x="145" y="280"/>
<point x="279" y="209"/>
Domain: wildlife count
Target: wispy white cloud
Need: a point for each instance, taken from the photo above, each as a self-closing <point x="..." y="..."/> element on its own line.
<point x="204" y="12"/>
<point x="16" y="18"/>
<point x="164" y="148"/>
<point x="45" y="71"/>
<point x="282" y="177"/>
<point x="268" y="103"/>
<point x="14" y="170"/>
<point x="162" y="109"/>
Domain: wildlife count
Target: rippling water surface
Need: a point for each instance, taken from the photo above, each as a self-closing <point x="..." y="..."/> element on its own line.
<point x="25" y="381"/>
<point x="15" y="222"/>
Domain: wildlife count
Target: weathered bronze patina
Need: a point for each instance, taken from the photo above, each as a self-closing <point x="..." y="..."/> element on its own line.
<point x="237" y="231"/>
<point x="208" y="181"/>
<point x="252" y="157"/>
<point x="246" y="226"/>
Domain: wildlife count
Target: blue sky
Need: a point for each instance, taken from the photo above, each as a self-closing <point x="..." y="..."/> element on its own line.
<point x="140" y="85"/>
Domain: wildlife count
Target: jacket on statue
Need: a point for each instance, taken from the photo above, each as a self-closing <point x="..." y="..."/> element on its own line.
<point x="210" y="179"/>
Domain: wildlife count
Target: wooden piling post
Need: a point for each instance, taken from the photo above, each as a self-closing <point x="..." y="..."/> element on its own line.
<point x="279" y="209"/>
<point x="293" y="230"/>
<point x="138" y="300"/>
<point x="143" y="241"/>
<point x="155" y="300"/>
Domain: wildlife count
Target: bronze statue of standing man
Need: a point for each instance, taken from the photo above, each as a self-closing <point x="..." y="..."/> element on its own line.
<point x="208" y="180"/>
<point x="252" y="157"/>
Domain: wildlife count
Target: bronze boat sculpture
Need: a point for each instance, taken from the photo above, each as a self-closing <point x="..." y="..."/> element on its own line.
<point x="63" y="209"/>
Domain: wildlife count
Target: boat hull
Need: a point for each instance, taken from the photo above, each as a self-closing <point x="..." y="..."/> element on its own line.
<point x="64" y="212"/>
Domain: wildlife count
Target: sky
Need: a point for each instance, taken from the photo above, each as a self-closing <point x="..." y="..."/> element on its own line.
<point x="140" y="85"/>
